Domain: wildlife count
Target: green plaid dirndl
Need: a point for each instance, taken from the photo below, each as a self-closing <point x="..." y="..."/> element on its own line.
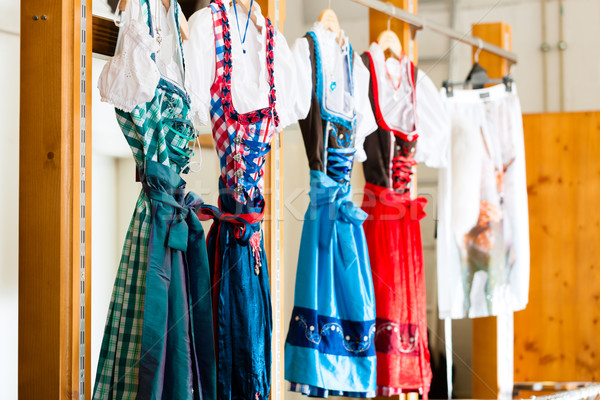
<point x="150" y="131"/>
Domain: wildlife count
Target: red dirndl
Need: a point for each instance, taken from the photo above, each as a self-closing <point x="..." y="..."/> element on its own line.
<point x="393" y="234"/>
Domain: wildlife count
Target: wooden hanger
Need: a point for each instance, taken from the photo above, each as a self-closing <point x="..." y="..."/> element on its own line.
<point x="330" y="21"/>
<point x="184" y="27"/>
<point x="245" y="6"/>
<point x="390" y="42"/>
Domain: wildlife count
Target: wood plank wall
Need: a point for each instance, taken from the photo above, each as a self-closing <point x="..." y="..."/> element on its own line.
<point x="557" y="336"/>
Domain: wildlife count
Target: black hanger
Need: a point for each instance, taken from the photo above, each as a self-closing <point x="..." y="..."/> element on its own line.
<point x="477" y="77"/>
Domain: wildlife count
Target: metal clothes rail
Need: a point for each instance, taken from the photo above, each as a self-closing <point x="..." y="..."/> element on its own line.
<point x="421" y="23"/>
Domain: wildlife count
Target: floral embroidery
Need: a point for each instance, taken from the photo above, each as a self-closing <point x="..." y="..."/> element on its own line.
<point x="344" y="138"/>
<point x="351" y="344"/>
<point x="402" y="339"/>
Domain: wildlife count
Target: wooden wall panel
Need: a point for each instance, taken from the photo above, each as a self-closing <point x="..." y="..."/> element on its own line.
<point x="556" y="337"/>
<point x="49" y="216"/>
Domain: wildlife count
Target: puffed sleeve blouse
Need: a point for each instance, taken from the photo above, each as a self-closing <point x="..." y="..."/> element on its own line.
<point x="249" y="81"/>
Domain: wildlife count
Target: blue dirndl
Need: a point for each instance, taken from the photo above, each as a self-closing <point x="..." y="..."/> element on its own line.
<point x="241" y="298"/>
<point x="329" y="348"/>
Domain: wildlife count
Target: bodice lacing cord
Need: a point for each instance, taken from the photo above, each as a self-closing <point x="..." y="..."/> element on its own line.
<point x="178" y="155"/>
<point x="402" y="171"/>
<point x="256" y="150"/>
<point x="339" y="163"/>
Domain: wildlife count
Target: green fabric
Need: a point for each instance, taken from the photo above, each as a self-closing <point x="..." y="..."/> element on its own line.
<point x="177" y="292"/>
<point x="149" y="139"/>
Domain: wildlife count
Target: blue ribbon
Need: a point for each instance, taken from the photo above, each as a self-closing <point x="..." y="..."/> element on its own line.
<point x="324" y="191"/>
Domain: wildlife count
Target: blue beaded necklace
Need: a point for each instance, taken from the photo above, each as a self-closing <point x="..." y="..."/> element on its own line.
<point x="243" y="39"/>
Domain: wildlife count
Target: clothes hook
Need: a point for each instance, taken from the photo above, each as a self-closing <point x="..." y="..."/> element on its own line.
<point x="392" y="12"/>
<point x="479" y="47"/>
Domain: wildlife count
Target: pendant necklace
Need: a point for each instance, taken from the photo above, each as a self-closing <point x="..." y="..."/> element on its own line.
<point x="396" y="88"/>
<point x="243" y="38"/>
<point x="158" y="27"/>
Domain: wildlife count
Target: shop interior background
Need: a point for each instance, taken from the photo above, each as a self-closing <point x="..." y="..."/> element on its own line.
<point x="115" y="190"/>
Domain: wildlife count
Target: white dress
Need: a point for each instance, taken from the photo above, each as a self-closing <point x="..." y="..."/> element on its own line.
<point x="483" y="232"/>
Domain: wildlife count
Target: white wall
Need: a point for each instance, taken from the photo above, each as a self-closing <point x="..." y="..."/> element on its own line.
<point x="105" y="247"/>
<point x="9" y="198"/>
<point x="582" y="63"/>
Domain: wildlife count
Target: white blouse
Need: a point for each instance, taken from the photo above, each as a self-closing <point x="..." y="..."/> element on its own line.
<point x="396" y="92"/>
<point x="337" y="101"/>
<point x="249" y="77"/>
<point x="433" y="124"/>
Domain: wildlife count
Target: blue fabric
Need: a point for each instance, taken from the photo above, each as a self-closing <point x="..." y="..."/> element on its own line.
<point x="244" y="320"/>
<point x="312" y="391"/>
<point x="336" y="374"/>
<point x="333" y="285"/>
<point x="331" y="335"/>
<point x="178" y="313"/>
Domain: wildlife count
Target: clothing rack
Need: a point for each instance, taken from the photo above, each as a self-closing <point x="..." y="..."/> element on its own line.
<point x="449" y="85"/>
<point x="422" y="23"/>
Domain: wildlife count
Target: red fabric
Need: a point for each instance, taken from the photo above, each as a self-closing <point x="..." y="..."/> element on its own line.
<point x="393" y="233"/>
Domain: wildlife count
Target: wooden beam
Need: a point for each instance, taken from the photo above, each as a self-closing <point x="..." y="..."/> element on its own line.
<point x="104" y="37"/>
<point x="206" y="140"/>
<point x="49" y="214"/>
<point x="485" y="382"/>
<point x="271" y="170"/>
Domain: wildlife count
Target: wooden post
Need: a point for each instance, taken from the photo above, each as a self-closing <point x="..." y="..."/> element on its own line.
<point x="378" y="22"/>
<point x="273" y="170"/>
<point x="497" y="33"/>
<point x="485" y="383"/>
<point x="49" y="198"/>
